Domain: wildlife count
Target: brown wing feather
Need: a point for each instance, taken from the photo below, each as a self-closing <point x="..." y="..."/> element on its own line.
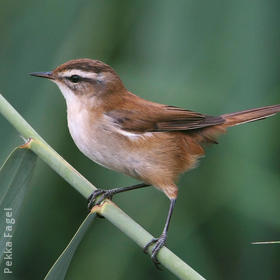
<point x="158" y="118"/>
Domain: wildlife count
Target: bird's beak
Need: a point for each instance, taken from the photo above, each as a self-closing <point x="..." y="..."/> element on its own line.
<point x="48" y="75"/>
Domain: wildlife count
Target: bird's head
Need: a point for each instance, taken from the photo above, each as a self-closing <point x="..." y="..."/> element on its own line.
<point x="84" y="78"/>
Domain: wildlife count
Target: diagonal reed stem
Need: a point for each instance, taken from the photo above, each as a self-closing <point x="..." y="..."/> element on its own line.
<point x="108" y="209"/>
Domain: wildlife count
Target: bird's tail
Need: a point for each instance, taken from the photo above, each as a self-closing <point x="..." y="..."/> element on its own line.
<point x="250" y="115"/>
<point x="210" y="134"/>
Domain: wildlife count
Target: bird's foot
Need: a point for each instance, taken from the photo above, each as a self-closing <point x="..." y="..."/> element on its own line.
<point x="92" y="200"/>
<point x="159" y="243"/>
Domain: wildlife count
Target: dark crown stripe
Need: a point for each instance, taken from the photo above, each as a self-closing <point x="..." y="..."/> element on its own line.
<point x="86" y="65"/>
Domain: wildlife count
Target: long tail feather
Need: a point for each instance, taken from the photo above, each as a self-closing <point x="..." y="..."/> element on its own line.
<point x="250" y="115"/>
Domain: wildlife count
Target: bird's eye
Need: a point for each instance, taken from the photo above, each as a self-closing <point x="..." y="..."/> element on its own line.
<point x="74" y="78"/>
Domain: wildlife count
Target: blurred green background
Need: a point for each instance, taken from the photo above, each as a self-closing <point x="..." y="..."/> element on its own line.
<point x="210" y="56"/>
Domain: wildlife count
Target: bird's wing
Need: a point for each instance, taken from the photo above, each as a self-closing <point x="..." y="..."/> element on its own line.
<point x="160" y="118"/>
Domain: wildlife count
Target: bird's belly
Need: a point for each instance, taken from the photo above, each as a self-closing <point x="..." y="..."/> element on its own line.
<point x="111" y="155"/>
<point x="153" y="158"/>
<point x="106" y="148"/>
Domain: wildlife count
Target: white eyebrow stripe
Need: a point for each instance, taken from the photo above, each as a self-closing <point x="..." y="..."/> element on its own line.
<point x="81" y="73"/>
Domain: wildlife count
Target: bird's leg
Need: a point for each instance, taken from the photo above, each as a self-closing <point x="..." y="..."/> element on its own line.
<point x="109" y="193"/>
<point x="160" y="241"/>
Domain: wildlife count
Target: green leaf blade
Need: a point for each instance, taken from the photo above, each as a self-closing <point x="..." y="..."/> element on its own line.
<point x="15" y="175"/>
<point x="59" y="269"/>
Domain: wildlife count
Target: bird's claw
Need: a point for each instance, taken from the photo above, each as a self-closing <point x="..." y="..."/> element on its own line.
<point x="159" y="243"/>
<point x="92" y="198"/>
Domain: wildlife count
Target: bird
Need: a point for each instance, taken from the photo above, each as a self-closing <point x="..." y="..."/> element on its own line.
<point x="149" y="141"/>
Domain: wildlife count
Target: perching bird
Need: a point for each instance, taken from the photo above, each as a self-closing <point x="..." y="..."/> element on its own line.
<point x="151" y="142"/>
